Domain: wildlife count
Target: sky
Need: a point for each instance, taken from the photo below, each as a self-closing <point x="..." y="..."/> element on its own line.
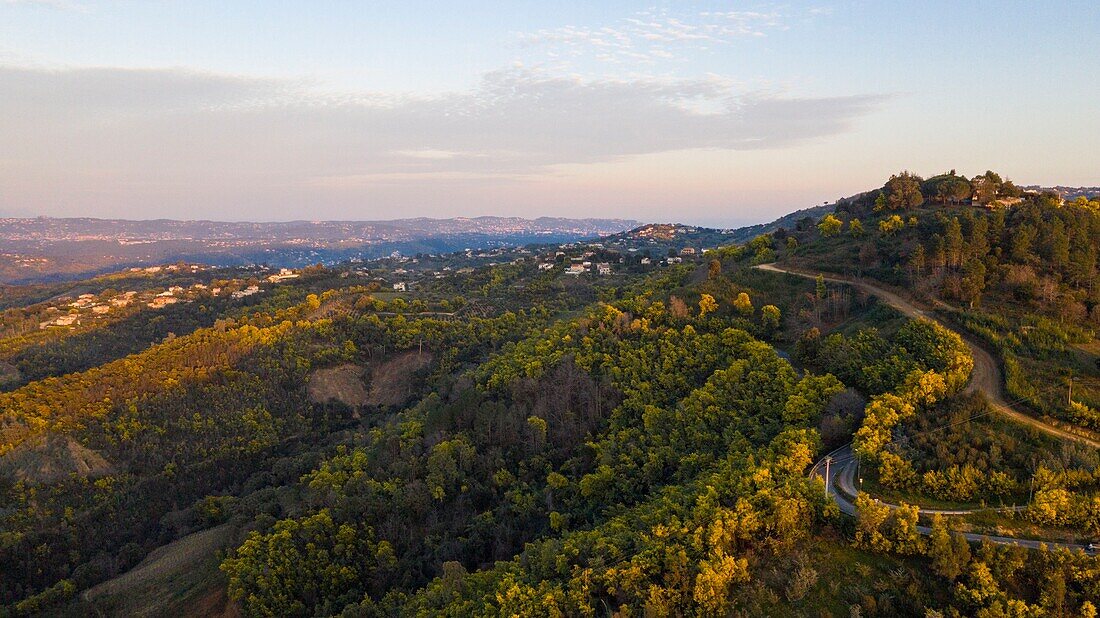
<point x="711" y="113"/>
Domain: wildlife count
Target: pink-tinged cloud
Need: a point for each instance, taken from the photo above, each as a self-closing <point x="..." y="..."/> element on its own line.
<point x="148" y="137"/>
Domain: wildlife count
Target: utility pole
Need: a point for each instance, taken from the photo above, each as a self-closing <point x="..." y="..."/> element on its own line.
<point x="828" y="460"/>
<point x="859" y="470"/>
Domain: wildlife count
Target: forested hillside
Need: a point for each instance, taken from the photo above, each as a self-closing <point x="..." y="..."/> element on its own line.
<point x="1019" y="270"/>
<point x="517" y="440"/>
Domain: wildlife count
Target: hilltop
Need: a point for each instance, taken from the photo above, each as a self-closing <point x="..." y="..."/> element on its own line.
<point x="658" y="238"/>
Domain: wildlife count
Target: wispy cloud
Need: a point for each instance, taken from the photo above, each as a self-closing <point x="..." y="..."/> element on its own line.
<point x="172" y="134"/>
<point x="66" y="5"/>
<point x="653" y="36"/>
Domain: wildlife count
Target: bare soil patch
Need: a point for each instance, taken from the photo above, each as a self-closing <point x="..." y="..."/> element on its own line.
<point x="344" y="383"/>
<point x="48" y="458"/>
<point x="9" y="374"/>
<point x="392" y="380"/>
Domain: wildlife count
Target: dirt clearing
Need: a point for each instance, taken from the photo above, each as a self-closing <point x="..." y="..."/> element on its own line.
<point x="344" y="383"/>
<point x="392" y="380"/>
<point x="51" y="458"/>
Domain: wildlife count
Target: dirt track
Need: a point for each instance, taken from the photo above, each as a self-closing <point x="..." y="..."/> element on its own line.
<point x="986" y="377"/>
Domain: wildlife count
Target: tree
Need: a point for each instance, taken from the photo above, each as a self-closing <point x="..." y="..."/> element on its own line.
<point x="947" y="188"/>
<point x="301" y="563"/>
<point x="973" y="282"/>
<point x="916" y="263"/>
<point x="1050" y="506"/>
<point x="871" y="515"/>
<point x="978" y="243"/>
<point x="986" y="187"/>
<point x="1058" y="244"/>
<point x="903" y="191"/>
<point x="907" y="539"/>
<point x="714" y="269"/>
<point x="677" y="308"/>
<point x="770" y="317"/>
<point x="707" y="304"/>
<point x="949" y="559"/>
<point x="880" y="202"/>
<point x="830" y="225"/>
<point x="855" y="228"/>
<point x="953" y="242"/>
<point x="954" y="190"/>
<point x="1022" y="238"/>
<point x="890" y="225"/>
<point x="714" y="580"/>
<point x="743" y="304"/>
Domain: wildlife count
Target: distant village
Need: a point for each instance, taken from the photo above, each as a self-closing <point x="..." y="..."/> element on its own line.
<point x="649" y="247"/>
<point x="70" y="312"/>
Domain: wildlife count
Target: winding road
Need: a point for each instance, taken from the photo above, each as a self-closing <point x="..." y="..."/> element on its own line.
<point x="986" y="378"/>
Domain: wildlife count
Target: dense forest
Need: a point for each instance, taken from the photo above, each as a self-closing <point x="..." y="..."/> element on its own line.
<point x="513" y="440"/>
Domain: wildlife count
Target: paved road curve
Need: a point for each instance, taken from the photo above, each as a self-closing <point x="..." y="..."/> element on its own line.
<point x="985" y="378"/>
<point x="842" y="485"/>
<point x="842" y="490"/>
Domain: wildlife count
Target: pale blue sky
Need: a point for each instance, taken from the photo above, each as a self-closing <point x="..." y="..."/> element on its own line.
<point x="712" y="112"/>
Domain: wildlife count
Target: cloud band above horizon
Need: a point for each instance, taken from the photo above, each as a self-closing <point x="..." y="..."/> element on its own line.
<point x="151" y="136"/>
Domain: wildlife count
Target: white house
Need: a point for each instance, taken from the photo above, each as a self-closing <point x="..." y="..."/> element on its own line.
<point x="284" y="274"/>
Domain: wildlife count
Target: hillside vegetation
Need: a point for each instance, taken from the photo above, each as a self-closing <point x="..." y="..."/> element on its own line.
<point x="515" y="440"/>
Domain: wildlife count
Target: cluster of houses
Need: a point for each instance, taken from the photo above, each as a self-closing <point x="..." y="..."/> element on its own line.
<point x="170" y="268"/>
<point x="91" y="306"/>
<point x="84" y="305"/>
<point x="579" y="268"/>
<point x="248" y="291"/>
<point x="581" y="265"/>
<point x="402" y="273"/>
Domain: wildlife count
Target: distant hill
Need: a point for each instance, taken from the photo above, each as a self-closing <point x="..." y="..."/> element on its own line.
<point x="788" y="221"/>
<point x="45" y="248"/>
<point x="50" y="249"/>
<point x="658" y="238"/>
<point x="1067" y="193"/>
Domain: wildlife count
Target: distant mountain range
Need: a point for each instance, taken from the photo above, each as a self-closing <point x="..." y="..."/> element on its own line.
<point x="318" y="232"/>
<point x="43" y="248"/>
<point x="48" y="249"/>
